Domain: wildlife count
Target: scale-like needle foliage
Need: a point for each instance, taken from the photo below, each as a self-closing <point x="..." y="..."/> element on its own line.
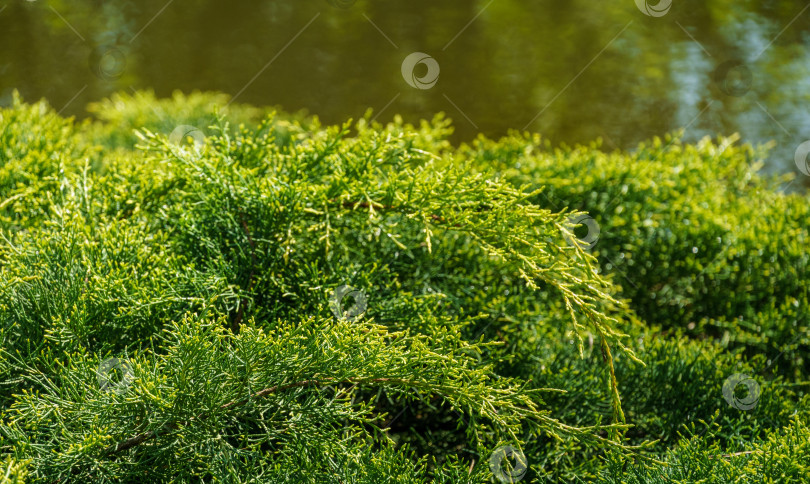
<point x="270" y="300"/>
<point x="166" y="310"/>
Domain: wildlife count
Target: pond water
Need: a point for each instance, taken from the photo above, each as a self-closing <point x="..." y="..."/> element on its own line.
<point x="572" y="70"/>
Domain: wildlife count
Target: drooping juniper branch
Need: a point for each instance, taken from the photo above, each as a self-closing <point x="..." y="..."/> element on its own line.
<point x="378" y="206"/>
<point x="143" y="437"/>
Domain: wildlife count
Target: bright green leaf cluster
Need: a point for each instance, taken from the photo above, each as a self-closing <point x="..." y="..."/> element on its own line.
<point x="279" y="301"/>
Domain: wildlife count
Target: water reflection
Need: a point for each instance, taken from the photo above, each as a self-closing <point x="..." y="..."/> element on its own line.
<point x="572" y="70"/>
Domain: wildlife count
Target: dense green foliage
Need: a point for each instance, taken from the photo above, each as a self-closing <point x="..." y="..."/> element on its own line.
<point x="177" y="308"/>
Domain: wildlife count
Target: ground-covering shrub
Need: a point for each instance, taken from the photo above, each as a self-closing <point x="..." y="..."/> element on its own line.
<point x="279" y="301"/>
<point x="695" y="238"/>
<point x="780" y="457"/>
<point x="124" y="112"/>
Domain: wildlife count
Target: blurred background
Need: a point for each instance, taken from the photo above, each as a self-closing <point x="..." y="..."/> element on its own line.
<point x="573" y="70"/>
